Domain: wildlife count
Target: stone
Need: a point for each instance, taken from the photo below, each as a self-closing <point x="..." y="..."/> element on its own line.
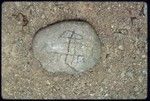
<point x="67" y="46"/>
<point x="143" y="56"/>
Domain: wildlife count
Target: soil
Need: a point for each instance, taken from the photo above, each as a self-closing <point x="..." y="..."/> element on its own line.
<point x="121" y="73"/>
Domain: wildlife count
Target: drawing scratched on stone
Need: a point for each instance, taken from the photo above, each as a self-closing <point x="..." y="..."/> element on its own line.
<point x="72" y="37"/>
<point x="69" y="50"/>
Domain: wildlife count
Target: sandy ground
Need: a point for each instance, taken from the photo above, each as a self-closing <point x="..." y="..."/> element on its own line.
<point x="121" y="73"/>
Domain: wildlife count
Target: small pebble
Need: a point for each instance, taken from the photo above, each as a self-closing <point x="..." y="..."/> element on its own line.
<point x="101" y="89"/>
<point x="143" y="56"/>
<point x="123" y="74"/>
<point x="145" y="72"/>
<point x="17" y="4"/>
<point x="43" y="16"/>
<point x="63" y="96"/>
<point x="140" y="78"/>
<point x="134" y="63"/>
<point x="106" y="95"/>
<point x="139" y="63"/>
<point x="47" y="82"/>
<point x="91" y="94"/>
<point x="19" y="22"/>
<point x="136" y="88"/>
<point x="130" y="74"/>
<point x="121" y="47"/>
<point x="112" y="26"/>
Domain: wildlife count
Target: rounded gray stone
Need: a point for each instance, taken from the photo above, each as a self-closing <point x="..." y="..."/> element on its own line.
<point x="68" y="46"/>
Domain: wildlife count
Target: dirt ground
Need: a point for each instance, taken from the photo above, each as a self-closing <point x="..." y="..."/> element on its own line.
<point x="121" y="73"/>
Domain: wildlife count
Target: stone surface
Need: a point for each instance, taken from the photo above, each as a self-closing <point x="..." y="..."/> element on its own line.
<point x="67" y="46"/>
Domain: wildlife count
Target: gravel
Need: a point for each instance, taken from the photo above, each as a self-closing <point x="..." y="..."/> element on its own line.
<point x="121" y="73"/>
